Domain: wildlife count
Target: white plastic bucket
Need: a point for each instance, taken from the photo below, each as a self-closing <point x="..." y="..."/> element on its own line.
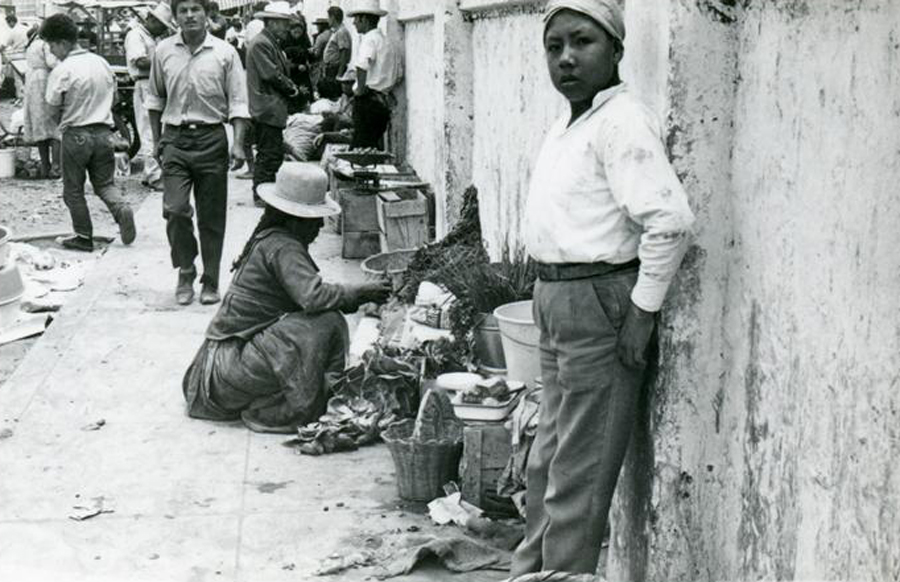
<point x="521" y="341"/>
<point x="8" y="163"/>
<point x="5" y="235"/>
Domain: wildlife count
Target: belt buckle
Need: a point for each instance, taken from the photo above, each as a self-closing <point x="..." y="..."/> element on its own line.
<point x="193" y="126"/>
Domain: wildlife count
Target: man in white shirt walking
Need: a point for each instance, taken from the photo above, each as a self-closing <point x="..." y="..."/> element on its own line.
<point x="140" y="42"/>
<point x="377" y="71"/>
<point x="608" y="223"/>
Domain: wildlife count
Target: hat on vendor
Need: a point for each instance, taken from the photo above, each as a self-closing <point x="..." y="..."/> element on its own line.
<point x="300" y="189"/>
<point x="163" y="13"/>
<point x="321" y="20"/>
<point x="605" y="12"/>
<point x="279" y="9"/>
<point x="366" y="7"/>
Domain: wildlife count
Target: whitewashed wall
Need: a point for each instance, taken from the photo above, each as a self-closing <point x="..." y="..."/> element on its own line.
<point x="422" y="132"/>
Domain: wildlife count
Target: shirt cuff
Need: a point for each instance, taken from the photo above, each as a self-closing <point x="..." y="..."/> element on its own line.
<point x="238" y="112"/>
<point x="155" y="103"/>
<point x="649" y="294"/>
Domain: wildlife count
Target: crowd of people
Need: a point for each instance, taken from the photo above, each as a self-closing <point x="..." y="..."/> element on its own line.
<point x="209" y="94"/>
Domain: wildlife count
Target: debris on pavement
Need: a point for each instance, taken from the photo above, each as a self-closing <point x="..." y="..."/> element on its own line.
<point x="453" y="509"/>
<point x="97" y="425"/>
<point x="83" y="513"/>
<point x="336" y="563"/>
<point x="26" y="325"/>
<point x="5" y="433"/>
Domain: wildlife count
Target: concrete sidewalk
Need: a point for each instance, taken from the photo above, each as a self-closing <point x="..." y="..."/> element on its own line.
<point x="191" y="500"/>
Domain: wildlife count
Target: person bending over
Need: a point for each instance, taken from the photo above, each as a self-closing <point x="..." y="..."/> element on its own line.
<point x="279" y="333"/>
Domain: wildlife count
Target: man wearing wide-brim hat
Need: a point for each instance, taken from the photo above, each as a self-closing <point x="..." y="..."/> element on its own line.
<point x="377" y="72"/>
<point x="270" y="87"/>
<point x="140" y="43"/>
<point x="279" y="331"/>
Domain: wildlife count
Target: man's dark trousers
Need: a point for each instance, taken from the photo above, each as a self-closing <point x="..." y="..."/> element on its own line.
<point x="269" y="153"/>
<point x="88" y="150"/>
<point x="371" y="116"/>
<point x="588" y="410"/>
<point x="195" y="157"/>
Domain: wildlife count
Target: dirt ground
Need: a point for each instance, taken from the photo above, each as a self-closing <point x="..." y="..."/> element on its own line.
<point x="35" y="208"/>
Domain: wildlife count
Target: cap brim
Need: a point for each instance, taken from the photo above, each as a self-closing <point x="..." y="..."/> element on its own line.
<point x="270" y="15"/>
<point x="267" y="192"/>
<point x="372" y="12"/>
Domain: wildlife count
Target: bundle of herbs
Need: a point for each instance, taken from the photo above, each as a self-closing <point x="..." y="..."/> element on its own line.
<point x="482" y="286"/>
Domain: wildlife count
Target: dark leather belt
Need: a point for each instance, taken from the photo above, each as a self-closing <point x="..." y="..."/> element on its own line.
<point x="573" y="271"/>
<point x="193" y="126"/>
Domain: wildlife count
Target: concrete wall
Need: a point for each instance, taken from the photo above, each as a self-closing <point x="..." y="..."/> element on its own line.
<point x="769" y="439"/>
<point x="770" y="443"/>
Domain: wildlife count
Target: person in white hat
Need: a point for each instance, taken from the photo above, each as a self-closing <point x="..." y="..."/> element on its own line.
<point x="377" y="71"/>
<point x="607" y="223"/>
<point x="279" y="330"/>
<point x="140" y="43"/>
<point x="269" y="88"/>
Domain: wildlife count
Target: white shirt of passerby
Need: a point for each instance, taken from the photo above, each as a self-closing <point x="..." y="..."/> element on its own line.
<point x="138" y="43"/>
<point x="602" y="189"/>
<point x="376" y="56"/>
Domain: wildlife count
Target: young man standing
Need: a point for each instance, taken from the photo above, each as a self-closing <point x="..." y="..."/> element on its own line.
<point x="339" y="47"/>
<point x="81" y="87"/>
<point x="607" y="222"/>
<point x="140" y="42"/>
<point x="377" y="71"/>
<point x="197" y="84"/>
<point x="269" y="88"/>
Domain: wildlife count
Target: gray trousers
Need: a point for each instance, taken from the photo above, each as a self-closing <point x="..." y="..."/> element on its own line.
<point x="87" y="151"/>
<point x="588" y="410"/>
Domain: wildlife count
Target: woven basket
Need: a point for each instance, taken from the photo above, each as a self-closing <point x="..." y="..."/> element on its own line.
<point x="423" y="468"/>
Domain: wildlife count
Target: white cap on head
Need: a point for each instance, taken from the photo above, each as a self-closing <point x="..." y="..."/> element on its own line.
<point x="605" y="12"/>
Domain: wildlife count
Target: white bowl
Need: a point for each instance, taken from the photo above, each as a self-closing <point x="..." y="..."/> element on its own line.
<point x="458" y="381"/>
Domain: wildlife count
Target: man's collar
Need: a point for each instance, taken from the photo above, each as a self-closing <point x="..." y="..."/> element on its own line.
<point x="76" y="51"/>
<point x="207" y="40"/>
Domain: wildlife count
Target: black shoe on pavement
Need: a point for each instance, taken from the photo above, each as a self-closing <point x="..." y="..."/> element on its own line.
<point x="77" y="243"/>
<point x="126" y="226"/>
<point x="184" y="293"/>
<point x="209" y="295"/>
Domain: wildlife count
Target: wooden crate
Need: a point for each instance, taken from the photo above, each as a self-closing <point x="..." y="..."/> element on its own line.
<point x="360" y="245"/>
<point x="486" y="450"/>
<point x="402" y="219"/>
<point x="358" y="210"/>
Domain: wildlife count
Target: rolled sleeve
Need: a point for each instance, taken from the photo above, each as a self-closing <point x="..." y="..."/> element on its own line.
<point x="57" y="84"/>
<point x="236" y="88"/>
<point x="134" y="47"/>
<point x="155" y="99"/>
<point x="644" y="184"/>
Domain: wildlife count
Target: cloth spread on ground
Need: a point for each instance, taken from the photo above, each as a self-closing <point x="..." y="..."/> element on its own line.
<point x="457" y="554"/>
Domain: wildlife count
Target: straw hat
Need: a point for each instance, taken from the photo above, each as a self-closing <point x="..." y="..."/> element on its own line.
<point x="366" y="7"/>
<point x="278" y="9"/>
<point x="163" y="13"/>
<point x="300" y="190"/>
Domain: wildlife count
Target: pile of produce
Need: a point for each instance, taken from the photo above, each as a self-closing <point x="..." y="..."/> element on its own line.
<point x="490" y="392"/>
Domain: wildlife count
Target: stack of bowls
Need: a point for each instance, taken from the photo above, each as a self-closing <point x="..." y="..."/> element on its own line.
<point x="11" y="285"/>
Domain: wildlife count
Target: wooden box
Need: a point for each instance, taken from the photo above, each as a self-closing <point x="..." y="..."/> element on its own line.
<point x="486" y="451"/>
<point x="358" y="211"/>
<point x="402" y="219"/>
<point x="360" y="245"/>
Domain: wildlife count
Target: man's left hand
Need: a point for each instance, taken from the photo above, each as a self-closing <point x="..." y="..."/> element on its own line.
<point x="635" y="336"/>
<point x="237" y="156"/>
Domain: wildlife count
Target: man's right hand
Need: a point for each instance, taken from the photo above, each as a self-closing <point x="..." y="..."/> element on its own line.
<point x="377" y="292"/>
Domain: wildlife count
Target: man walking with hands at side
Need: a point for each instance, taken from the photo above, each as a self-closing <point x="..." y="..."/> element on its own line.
<point x="197" y="84"/>
<point x="269" y="89"/>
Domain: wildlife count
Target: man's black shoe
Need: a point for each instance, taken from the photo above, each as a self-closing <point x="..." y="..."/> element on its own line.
<point x="184" y="293"/>
<point x="126" y="226"/>
<point x="209" y="294"/>
<point x="77" y="243"/>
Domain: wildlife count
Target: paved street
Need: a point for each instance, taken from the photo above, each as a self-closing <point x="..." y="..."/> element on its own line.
<point x="190" y="500"/>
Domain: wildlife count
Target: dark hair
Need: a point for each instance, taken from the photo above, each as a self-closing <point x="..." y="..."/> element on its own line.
<point x="213" y="5"/>
<point x="203" y="4"/>
<point x="59" y="27"/>
<point x="11" y="19"/>
<point x="336" y="13"/>
<point x="302" y="229"/>
<point x="329" y="89"/>
<point x="372" y="18"/>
